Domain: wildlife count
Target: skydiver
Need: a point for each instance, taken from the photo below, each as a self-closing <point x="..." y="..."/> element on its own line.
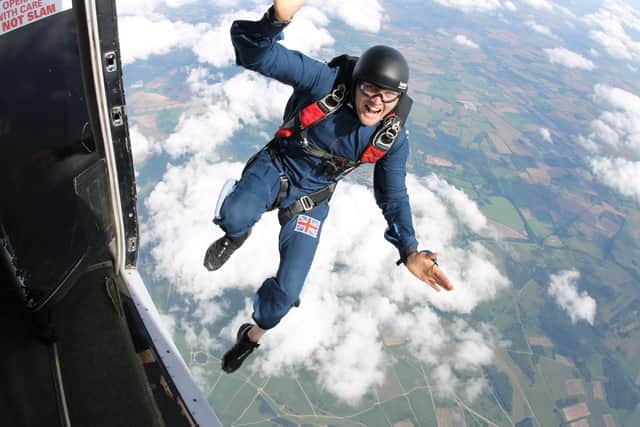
<point x="341" y="114"/>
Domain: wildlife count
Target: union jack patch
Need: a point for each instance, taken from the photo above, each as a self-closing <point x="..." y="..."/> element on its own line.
<point x="307" y="225"/>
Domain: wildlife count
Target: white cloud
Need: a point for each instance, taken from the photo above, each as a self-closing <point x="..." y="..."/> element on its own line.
<point x="621" y="174"/>
<point x="228" y="105"/>
<point x="144" y="7"/>
<point x="142" y="37"/>
<point x="148" y="7"/>
<point x="540" y="4"/>
<point x="510" y="6"/>
<point x="141" y="146"/>
<point x="471" y="5"/>
<point x="579" y="305"/>
<point x="363" y="15"/>
<point x="215" y="47"/>
<point x="461" y="39"/>
<point x="539" y="28"/>
<point x="343" y="310"/>
<point x="306" y="32"/>
<point x="610" y="24"/>
<point x="569" y="58"/>
<point x="466" y="210"/>
<point x="546" y="134"/>
<point x="615" y="138"/>
<point x="549" y="6"/>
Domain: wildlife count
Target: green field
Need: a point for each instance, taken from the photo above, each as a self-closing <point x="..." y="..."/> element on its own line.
<point x="541" y="229"/>
<point x="501" y="210"/>
<point x="445" y="87"/>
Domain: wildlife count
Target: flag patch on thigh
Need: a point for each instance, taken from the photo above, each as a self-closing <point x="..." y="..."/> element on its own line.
<point x="307" y="225"/>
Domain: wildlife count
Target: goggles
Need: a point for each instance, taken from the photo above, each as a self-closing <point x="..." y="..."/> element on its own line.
<point x="372" y="90"/>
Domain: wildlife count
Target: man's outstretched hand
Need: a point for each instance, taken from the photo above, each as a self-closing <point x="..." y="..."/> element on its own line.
<point x="285" y="9"/>
<point x="423" y="265"/>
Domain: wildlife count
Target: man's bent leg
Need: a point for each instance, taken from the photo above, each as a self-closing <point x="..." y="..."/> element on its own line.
<point x="242" y="208"/>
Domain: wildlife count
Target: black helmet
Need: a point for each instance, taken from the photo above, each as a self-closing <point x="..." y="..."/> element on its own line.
<point x="384" y="66"/>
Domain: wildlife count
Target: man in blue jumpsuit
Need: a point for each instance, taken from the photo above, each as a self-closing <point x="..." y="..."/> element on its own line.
<point x="289" y="176"/>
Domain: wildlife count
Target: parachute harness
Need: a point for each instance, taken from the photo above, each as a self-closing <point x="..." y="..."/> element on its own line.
<point x="336" y="166"/>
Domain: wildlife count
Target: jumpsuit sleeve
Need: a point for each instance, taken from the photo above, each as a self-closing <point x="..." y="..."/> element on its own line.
<point x="391" y="196"/>
<point x="256" y="48"/>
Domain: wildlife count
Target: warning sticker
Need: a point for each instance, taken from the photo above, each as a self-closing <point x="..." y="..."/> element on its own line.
<point x="15" y="14"/>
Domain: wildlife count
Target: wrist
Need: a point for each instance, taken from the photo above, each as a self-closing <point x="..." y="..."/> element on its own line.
<point x="273" y="17"/>
<point x="404" y="257"/>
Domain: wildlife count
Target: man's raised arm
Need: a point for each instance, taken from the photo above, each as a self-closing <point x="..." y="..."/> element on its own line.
<point x="283" y="10"/>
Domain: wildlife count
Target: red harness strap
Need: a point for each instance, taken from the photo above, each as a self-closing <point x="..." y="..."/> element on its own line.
<point x="307" y="117"/>
<point x="313" y="113"/>
<point x="382" y="140"/>
<point x="372" y="154"/>
<point x="310" y="115"/>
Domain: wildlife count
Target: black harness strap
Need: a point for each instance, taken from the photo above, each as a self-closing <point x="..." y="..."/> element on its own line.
<point x="306" y="203"/>
<point x="284" y="181"/>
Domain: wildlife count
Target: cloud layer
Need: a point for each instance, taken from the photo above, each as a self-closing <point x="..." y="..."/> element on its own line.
<point x="345" y="308"/>
<point x="354" y="291"/>
<point x="569" y="58"/>
<point x="614" y="140"/>
<point x="610" y="25"/>
<point x="463" y="40"/>
<point x="146" y="32"/>
<point x="472" y="5"/>
<point x="578" y="305"/>
<point x="539" y="28"/>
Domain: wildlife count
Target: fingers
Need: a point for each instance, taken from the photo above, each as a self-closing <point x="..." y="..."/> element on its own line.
<point x="425" y="267"/>
<point x="442" y="278"/>
<point x="434" y="285"/>
<point x="435" y="277"/>
<point x="428" y="275"/>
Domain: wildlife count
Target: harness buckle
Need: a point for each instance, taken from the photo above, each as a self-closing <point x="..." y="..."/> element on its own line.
<point x="387" y="134"/>
<point x="333" y="100"/>
<point x="307" y="203"/>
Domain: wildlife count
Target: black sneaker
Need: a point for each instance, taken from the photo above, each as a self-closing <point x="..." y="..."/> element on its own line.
<point x="220" y="250"/>
<point x="243" y="347"/>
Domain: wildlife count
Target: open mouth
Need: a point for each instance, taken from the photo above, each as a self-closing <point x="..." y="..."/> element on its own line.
<point x="372" y="110"/>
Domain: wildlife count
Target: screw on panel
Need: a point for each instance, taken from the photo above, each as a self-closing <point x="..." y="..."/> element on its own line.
<point x="117" y="116"/>
<point x="132" y="244"/>
<point x="110" y="63"/>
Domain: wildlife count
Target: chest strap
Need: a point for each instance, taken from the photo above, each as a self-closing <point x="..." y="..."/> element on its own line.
<point x="314" y="112"/>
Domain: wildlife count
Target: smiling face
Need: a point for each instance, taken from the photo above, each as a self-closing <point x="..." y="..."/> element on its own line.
<point x="369" y="105"/>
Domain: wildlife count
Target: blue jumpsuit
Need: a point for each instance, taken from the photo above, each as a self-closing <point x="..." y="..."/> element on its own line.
<point x="342" y="134"/>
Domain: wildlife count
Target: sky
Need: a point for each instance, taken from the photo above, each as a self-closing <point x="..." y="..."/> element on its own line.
<point x="344" y="309"/>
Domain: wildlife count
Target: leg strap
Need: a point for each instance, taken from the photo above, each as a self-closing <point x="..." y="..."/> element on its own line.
<point x="306" y="203"/>
<point x="282" y="191"/>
